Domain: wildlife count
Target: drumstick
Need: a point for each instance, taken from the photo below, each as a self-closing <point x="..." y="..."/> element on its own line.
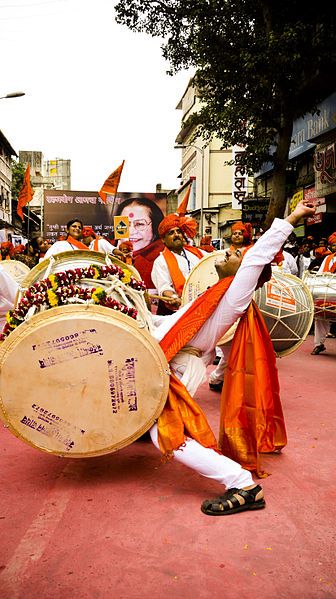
<point x="164" y="298"/>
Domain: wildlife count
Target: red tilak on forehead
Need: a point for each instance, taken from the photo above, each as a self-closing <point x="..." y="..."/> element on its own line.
<point x="131" y="214"/>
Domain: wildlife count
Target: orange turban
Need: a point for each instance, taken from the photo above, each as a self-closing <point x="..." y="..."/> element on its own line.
<point x="88" y="232"/>
<point x="187" y="225"/>
<point x="245" y="228"/>
<point x="321" y="252"/>
<point x="7" y="245"/>
<point x="332" y="238"/>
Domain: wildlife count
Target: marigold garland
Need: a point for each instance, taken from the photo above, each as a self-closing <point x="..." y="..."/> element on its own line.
<point x="58" y="287"/>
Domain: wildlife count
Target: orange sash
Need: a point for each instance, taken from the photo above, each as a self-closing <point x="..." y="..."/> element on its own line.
<point x="174" y="269"/>
<point x="327" y="267"/>
<point x="181" y="416"/>
<point x="78" y="244"/>
<point x="251" y="420"/>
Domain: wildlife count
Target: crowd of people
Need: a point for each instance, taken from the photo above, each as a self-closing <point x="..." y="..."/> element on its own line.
<point x="189" y="334"/>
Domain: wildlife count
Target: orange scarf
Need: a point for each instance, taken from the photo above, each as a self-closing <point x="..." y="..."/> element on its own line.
<point x="181" y="416"/>
<point x="78" y="244"/>
<point x="327" y="267"/>
<point x="174" y="269"/>
<point x="251" y="420"/>
<point x="242" y="250"/>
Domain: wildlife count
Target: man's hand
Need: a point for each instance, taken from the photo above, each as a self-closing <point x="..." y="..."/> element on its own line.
<point x="174" y="302"/>
<point x="302" y="210"/>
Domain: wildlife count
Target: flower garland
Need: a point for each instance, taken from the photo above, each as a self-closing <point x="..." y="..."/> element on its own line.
<point x="56" y="289"/>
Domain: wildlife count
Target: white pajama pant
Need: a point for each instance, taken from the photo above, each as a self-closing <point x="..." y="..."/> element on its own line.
<point x="209" y="463"/>
<point x="321" y="330"/>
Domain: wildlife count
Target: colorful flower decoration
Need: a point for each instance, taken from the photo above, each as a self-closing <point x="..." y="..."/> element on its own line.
<point x="56" y="289"/>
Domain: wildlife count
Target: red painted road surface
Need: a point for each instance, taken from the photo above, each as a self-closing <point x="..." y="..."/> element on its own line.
<point x="125" y="526"/>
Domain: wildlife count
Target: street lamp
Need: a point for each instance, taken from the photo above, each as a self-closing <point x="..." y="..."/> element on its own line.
<point x="13" y="95"/>
<point x="201" y="150"/>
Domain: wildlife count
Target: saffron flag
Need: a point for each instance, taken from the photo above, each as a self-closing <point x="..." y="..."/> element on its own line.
<point x="182" y="208"/>
<point x="26" y="193"/>
<point x="111" y="184"/>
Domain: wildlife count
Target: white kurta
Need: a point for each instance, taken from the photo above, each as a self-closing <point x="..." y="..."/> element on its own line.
<point x="160" y="272"/>
<point x="191" y="370"/>
<point x="104" y="246"/>
<point x="58" y="247"/>
<point x="8" y="290"/>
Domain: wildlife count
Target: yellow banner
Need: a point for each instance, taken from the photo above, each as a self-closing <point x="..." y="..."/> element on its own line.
<point x="296" y="198"/>
<point x="121" y="227"/>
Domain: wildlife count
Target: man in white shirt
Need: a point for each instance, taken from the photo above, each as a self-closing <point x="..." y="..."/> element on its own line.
<point x="322" y="326"/>
<point x="190" y="366"/>
<point x="173" y="265"/>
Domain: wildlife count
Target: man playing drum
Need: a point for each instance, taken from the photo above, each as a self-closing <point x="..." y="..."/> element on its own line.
<point x="188" y="339"/>
<point x="322" y="326"/>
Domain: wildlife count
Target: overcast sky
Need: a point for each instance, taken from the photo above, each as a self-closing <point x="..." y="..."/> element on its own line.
<point x="95" y="93"/>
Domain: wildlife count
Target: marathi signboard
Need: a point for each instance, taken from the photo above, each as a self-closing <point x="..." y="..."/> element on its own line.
<point x="61" y="206"/>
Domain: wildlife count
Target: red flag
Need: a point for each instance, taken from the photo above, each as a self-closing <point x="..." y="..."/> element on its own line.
<point x="26" y="193"/>
<point x="182" y="208"/>
<point x="111" y="184"/>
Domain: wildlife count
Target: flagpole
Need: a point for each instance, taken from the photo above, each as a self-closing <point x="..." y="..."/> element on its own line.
<point x="28" y="222"/>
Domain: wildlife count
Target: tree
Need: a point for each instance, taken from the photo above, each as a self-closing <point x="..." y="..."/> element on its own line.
<point x="18" y="171"/>
<point x="259" y="65"/>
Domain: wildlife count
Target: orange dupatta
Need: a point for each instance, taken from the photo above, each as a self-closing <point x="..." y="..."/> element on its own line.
<point x="78" y="244"/>
<point x="181" y="416"/>
<point x="251" y="420"/>
<point x="174" y="269"/>
<point x="327" y="267"/>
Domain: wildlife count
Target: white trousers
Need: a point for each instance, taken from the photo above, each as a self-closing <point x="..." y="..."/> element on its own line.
<point x="209" y="463"/>
<point x="321" y="330"/>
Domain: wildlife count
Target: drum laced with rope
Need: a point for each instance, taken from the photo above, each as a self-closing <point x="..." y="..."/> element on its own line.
<point x="285" y="303"/>
<point x="323" y="289"/>
<point x="96" y="378"/>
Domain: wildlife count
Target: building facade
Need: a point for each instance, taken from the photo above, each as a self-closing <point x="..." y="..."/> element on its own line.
<point x="217" y="189"/>
<point x="7" y="153"/>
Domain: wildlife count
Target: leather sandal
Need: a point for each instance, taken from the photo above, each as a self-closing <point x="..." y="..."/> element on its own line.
<point x="318" y="349"/>
<point x="229" y="504"/>
<point x="216" y="386"/>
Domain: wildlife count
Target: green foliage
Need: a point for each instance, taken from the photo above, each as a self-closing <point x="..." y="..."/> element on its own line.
<point x="18" y="171"/>
<point x="259" y="65"/>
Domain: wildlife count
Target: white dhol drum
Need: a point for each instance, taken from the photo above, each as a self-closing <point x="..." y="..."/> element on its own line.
<point x="323" y="289"/>
<point x="285" y="302"/>
<point x="16" y="269"/>
<point x="287" y="307"/>
<point x="80" y="381"/>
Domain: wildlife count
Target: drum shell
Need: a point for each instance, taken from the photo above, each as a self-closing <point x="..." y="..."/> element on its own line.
<point x="288" y="322"/>
<point x="93" y="383"/>
<point x="323" y="289"/>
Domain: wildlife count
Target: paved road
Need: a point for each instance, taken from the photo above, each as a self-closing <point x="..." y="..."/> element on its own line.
<point x="125" y="526"/>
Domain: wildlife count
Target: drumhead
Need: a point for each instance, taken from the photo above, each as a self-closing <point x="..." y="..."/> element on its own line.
<point x="201" y="277"/>
<point x="93" y="382"/>
<point x="288" y="310"/>
<point x="16" y="269"/>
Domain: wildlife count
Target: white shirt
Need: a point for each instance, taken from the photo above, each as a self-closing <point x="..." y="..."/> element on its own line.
<point x="8" y="290"/>
<point x="104" y="246"/>
<point x="160" y="271"/>
<point x="58" y="247"/>
<point x="289" y="264"/>
<point x="191" y="369"/>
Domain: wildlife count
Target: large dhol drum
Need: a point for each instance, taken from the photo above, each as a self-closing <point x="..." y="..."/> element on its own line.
<point x="287" y="307"/>
<point x="16" y="269"/>
<point x="323" y="289"/>
<point x="81" y="379"/>
<point x="285" y="302"/>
